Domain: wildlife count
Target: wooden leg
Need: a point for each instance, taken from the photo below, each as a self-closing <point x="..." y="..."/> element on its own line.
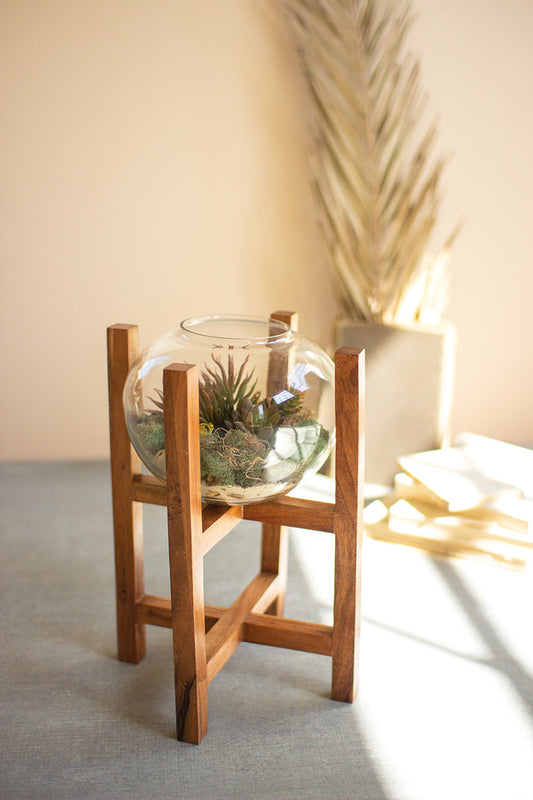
<point x="349" y="378"/>
<point x="274" y="558"/>
<point x="182" y="449"/>
<point x="127" y="515"/>
<point x="275" y="538"/>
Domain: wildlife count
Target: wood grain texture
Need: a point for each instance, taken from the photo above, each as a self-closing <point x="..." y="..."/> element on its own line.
<point x="309" y="637"/>
<point x="226" y="635"/>
<point x="275" y="558"/>
<point x="291" y="634"/>
<point x="122" y="346"/>
<point x="154" y="610"/>
<point x="293" y="511"/>
<point x="275" y="537"/>
<point x="279" y="362"/>
<point x="184" y="512"/>
<point x="349" y="420"/>
<point x="217" y="522"/>
<point x="269" y="630"/>
<point x="149" y="489"/>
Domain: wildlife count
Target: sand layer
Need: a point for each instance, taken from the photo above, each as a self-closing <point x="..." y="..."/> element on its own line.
<point x="239" y="495"/>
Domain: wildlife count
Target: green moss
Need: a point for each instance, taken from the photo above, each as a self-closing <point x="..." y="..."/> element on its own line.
<point x="231" y="457"/>
<point x="237" y="456"/>
<point x="311" y="439"/>
<point x="151" y="433"/>
<point x="215" y="469"/>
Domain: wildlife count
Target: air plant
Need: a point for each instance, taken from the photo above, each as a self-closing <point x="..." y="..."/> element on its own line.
<point x="223" y="391"/>
<point x="228" y="400"/>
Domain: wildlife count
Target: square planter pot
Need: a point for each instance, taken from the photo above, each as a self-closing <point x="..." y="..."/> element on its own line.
<point x="409" y="385"/>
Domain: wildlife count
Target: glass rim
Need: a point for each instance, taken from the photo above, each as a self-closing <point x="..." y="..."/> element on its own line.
<point x="191" y="325"/>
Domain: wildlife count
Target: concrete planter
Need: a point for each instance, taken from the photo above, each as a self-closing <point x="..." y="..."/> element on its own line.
<point x="409" y="384"/>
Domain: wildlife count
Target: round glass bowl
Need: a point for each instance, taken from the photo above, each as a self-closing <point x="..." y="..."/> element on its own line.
<point x="266" y="405"/>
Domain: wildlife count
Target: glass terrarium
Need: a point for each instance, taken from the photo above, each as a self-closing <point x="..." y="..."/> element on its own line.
<point x="266" y="405"/>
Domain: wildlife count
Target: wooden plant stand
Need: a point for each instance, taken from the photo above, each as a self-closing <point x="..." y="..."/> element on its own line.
<point x="206" y="636"/>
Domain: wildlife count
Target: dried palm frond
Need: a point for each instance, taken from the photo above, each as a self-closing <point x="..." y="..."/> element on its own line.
<point x="376" y="186"/>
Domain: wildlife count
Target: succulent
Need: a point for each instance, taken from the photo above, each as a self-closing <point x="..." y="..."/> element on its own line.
<point x="264" y="417"/>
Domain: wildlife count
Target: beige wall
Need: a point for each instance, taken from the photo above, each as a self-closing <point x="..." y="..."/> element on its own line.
<point x="478" y="67"/>
<point x="154" y="167"/>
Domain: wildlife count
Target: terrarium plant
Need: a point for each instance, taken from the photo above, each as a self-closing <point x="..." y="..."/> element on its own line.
<point x="246" y="440"/>
<point x="376" y="180"/>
